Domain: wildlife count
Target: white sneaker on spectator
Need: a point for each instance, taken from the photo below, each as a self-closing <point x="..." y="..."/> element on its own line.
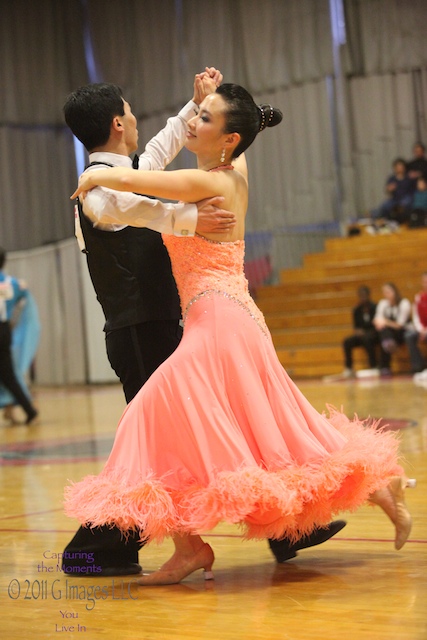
<point x="421" y="376"/>
<point x="367" y="373"/>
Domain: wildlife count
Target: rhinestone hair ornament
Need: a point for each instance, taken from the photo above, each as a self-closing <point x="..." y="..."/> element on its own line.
<point x="264" y="121"/>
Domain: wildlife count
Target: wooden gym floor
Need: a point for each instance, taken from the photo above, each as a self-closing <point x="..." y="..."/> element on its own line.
<point x="356" y="586"/>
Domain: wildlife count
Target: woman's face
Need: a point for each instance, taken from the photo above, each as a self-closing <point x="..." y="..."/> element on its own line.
<point x="206" y="130"/>
<point x="388" y="293"/>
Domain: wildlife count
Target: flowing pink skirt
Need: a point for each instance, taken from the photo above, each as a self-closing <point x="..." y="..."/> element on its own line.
<point x="221" y="433"/>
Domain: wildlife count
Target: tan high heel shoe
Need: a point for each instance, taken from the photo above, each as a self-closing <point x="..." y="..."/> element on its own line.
<point x="202" y="559"/>
<point x="392" y="500"/>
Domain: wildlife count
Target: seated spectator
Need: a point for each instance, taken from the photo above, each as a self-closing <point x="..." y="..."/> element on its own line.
<point x="418" y="215"/>
<point x="400" y="190"/>
<point x="392" y="316"/>
<point x="420" y="195"/>
<point x="364" y="335"/>
<point x="417" y="332"/>
<point x="417" y="167"/>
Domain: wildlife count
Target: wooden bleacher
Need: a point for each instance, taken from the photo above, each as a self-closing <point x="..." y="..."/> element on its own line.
<point x="310" y="312"/>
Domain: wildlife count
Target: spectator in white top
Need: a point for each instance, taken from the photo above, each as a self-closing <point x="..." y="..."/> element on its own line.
<point x="392" y="316"/>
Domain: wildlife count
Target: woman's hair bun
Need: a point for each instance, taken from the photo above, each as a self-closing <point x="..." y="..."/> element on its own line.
<point x="269" y="116"/>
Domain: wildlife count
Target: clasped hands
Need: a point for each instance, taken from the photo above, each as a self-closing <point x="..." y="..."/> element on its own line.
<point x="205" y="83"/>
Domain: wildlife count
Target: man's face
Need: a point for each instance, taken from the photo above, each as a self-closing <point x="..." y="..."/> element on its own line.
<point x="418" y="151"/>
<point x="130" y="129"/>
<point x="399" y="167"/>
<point x="363" y="295"/>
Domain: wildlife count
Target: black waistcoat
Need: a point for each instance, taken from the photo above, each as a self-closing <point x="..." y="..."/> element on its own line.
<point x="131" y="274"/>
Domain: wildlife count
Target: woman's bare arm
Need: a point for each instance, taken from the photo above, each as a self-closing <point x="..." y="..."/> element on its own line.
<point x="189" y="185"/>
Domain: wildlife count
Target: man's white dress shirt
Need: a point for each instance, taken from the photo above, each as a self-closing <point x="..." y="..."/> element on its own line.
<point x="112" y="210"/>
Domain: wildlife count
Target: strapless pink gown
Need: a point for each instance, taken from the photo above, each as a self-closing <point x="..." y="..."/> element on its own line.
<point x="221" y="433"/>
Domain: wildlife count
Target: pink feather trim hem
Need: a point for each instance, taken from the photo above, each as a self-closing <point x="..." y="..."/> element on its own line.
<point x="289" y="501"/>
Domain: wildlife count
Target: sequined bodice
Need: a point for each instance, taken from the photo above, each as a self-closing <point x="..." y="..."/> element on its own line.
<point x="201" y="266"/>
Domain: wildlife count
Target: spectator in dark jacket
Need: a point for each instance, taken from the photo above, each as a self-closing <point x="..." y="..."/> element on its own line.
<point x="417" y="167"/>
<point x="400" y="190"/>
<point x="364" y="335"/>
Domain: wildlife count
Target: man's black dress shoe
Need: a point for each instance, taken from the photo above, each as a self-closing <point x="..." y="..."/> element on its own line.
<point x="283" y="550"/>
<point x="102" y="551"/>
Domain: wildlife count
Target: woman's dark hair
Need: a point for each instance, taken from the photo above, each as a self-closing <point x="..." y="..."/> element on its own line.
<point x="395" y="290"/>
<point x="2" y="257"/>
<point x="244" y="116"/>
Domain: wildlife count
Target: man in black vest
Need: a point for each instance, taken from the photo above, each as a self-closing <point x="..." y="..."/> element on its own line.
<point x="131" y="272"/>
<point x="128" y="263"/>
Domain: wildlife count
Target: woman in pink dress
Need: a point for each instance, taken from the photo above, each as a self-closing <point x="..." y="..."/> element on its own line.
<point x="220" y="432"/>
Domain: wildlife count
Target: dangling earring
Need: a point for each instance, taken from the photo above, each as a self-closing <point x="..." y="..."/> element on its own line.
<point x="223" y="155"/>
